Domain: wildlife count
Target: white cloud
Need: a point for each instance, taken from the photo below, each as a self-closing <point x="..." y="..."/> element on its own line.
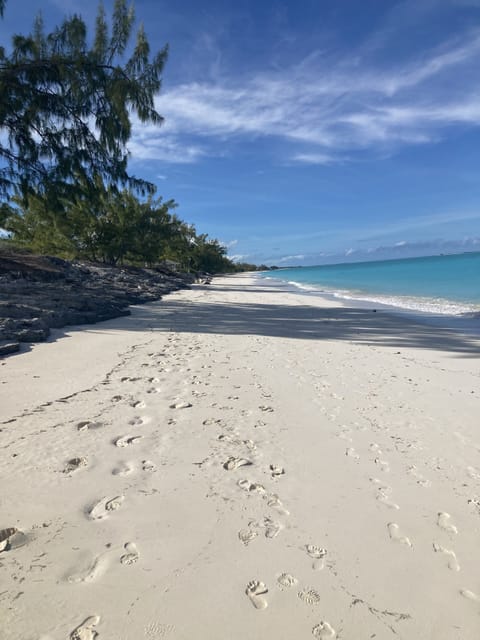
<point x="347" y="105"/>
<point x="290" y="258"/>
<point x="229" y="244"/>
<point x="153" y="145"/>
<point x="315" y="158"/>
<point x="239" y="257"/>
<point x="380" y="252"/>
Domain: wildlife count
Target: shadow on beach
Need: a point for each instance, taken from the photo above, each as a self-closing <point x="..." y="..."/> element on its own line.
<point x="296" y="322"/>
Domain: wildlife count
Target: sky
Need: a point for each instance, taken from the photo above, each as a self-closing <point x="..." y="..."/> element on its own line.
<point x="311" y="131"/>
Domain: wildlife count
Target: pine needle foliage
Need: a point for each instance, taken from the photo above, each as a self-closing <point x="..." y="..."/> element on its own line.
<point x="66" y="105"/>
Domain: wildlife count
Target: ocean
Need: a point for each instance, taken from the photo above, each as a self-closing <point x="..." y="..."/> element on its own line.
<point x="447" y="284"/>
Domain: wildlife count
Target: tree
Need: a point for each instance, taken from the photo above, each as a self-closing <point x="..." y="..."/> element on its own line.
<point x="66" y="106"/>
<point x="209" y="255"/>
<point x="102" y="223"/>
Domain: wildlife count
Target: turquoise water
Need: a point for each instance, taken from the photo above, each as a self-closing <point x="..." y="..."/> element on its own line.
<point x="439" y="284"/>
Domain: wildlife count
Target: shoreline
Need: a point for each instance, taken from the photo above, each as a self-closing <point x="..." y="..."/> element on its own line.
<point x="468" y="323"/>
<point x="269" y="464"/>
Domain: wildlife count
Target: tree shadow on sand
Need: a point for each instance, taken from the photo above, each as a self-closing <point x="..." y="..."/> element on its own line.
<point x="300" y="322"/>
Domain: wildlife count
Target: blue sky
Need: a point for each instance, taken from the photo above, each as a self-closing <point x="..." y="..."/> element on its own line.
<point x="312" y="131"/>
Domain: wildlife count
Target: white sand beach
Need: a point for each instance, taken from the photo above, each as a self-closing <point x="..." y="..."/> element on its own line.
<point x="238" y="462"/>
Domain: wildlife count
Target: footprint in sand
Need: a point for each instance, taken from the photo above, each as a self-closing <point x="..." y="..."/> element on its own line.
<point x="216" y="421"/>
<point x="154" y="390"/>
<point x="86" y="630"/>
<point x="74" y="464"/>
<point x="272" y="528"/>
<point x="132" y="554"/>
<point x="473" y="473"/>
<point x="324" y="631"/>
<point x="125" y="441"/>
<point x="309" y="596"/>
<point x="181" y="405"/>
<point x="96" y="568"/>
<point x="104" y="506"/>
<point x="452" y="558"/>
<point x="351" y="453"/>
<point x="148" y="465"/>
<point x="255" y="590"/>
<point x="227" y="438"/>
<point x="123" y="469"/>
<point x="252" y="487"/>
<point x="138" y="421"/>
<point x="234" y="463"/>
<point x="286" y="581"/>
<point x="275" y="471"/>
<point x="470" y="595"/>
<point x="383" y="496"/>
<point x="421" y="480"/>
<point x="138" y="404"/>
<point x="383" y="464"/>
<point x="444" y="523"/>
<point x="271" y="499"/>
<point x="274" y="502"/>
<point x="317" y="554"/>
<point x="247" y="535"/>
<point x="266" y="409"/>
<point x="474" y="502"/>
<point x="86" y="425"/>
<point x="396" y="536"/>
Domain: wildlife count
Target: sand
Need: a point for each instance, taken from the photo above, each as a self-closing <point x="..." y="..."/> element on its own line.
<point x="240" y="462"/>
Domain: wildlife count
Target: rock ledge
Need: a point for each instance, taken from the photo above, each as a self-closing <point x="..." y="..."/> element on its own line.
<point x="41" y="292"/>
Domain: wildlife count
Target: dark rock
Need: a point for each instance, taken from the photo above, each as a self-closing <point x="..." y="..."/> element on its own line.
<point x="40" y="292"/>
<point x="8" y="347"/>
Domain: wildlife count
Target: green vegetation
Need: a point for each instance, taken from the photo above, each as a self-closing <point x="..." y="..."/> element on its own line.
<point x="112" y="226"/>
<point x="65" y="120"/>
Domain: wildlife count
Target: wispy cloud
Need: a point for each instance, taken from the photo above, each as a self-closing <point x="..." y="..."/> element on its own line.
<point x="316" y="158"/>
<point x="300" y="257"/>
<point x="239" y="257"/>
<point x="229" y="244"/>
<point x="149" y="144"/>
<point x="381" y="252"/>
<point x="322" y="109"/>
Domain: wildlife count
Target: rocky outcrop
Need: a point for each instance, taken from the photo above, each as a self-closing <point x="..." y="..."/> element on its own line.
<point x="40" y="292"/>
